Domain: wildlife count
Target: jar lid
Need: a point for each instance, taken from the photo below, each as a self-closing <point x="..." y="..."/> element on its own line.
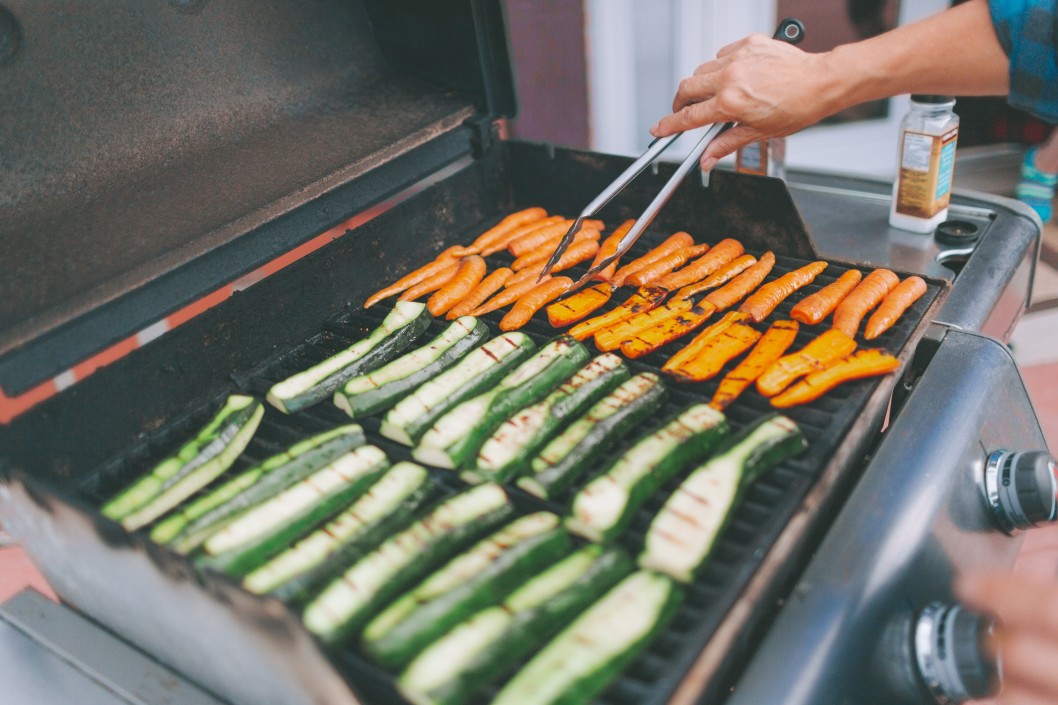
<point x="920" y="98"/>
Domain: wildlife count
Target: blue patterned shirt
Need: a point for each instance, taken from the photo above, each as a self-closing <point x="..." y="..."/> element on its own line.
<point x="1027" y="31"/>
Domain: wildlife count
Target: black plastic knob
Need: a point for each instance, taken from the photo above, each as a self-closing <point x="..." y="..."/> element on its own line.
<point x="952" y="655"/>
<point x="957" y="233"/>
<point x="1022" y="488"/>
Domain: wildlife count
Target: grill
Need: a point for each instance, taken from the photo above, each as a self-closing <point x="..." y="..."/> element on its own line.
<point x="67" y="454"/>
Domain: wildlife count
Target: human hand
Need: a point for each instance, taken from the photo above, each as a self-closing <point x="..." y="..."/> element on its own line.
<point x="1026" y="637"/>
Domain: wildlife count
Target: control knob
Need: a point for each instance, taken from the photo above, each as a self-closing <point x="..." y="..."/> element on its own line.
<point x="1021" y="488"/>
<point x="951" y="654"/>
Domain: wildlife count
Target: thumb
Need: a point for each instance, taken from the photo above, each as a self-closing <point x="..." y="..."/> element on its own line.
<point x="725" y="144"/>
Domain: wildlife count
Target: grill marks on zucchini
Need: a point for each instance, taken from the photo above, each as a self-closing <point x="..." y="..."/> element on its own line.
<point x="402" y="326"/>
<point x="506" y="453"/>
<point x="478" y="371"/>
<point x="197" y="463"/>
<point x="682" y="535"/>
<point x="477" y="578"/>
<point x="377" y="390"/>
<point x="605" y="506"/>
<point x="348" y="602"/>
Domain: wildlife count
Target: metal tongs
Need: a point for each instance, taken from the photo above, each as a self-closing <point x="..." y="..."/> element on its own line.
<point x="790" y="30"/>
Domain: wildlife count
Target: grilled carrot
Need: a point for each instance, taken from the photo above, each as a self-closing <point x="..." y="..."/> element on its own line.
<point x="507" y="296"/>
<point x="817" y="355"/>
<point x="735" y="290"/>
<point x="539" y="237"/>
<point x="470" y="273"/>
<point x="488" y="286"/>
<point x="864" y="363"/>
<point x="717" y="352"/>
<point x="543" y="253"/>
<point x="656" y="270"/>
<point x="671" y="244"/>
<point x="764" y="300"/>
<point x="608" y="247"/>
<point x="725" y="251"/>
<point x="528" y="305"/>
<point x="868" y="294"/>
<point x="422" y="273"/>
<point x="501" y="243"/>
<point x="893" y="306"/>
<point x="506" y="226"/>
<point x="432" y="283"/>
<point x="572" y="309"/>
<point x="722" y="276"/>
<point x="776" y="340"/>
<point x="647" y="340"/>
<point x="643" y="300"/>
<point x="611" y="337"/>
<point x="813" y="309"/>
<point x="698" y="343"/>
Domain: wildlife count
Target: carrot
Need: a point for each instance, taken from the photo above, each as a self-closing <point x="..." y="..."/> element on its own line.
<point x="865" y="363"/>
<point x="735" y="290"/>
<point x="586" y="241"/>
<point x="776" y="340"/>
<point x="422" y="273"/>
<point x="570" y="310"/>
<point x="813" y="309"/>
<point x="722" y="276"/>
<point x="506" y="226"/>
<point x="501" y="243"/>
<point x="893" y="306"/>
<point x="507" y="296"/>
<point x="671" y="244"/>
<point x="868" y="294"/>
<point x="611" y="337"/>
<point x="643" y="300"/>
<point x="609" y="247"/>
<point x="470" y="273"/>
<point x="528" y="305"/>
<point x="695" y="347"/>
<point x="648" y="274"/>
<point x="647" y="340"/>
<point x="717" y="352"/>
<point x="488" y="286"/>
<point x="725" y="251"/>
<point x="764" y="300"/>
<point x="817" y="355"/>
<point x="539" y="237"/>
<point x="432" y="283"/>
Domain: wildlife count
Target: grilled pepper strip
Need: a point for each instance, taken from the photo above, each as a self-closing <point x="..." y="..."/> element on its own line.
<point x="769" y="348"/>
<point x="720" y="350"/>
<point x="642" y="300"/>
<point x="819" y="354"/>
<point x="666" y="331"/>
<point x="859" y="365"/>
<point x="612" y="337"/>
<point x="573" y="308"/>
<point x="693" y="349"/>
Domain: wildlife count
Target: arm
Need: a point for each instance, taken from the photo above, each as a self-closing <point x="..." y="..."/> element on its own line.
<point x="773" y="89"/>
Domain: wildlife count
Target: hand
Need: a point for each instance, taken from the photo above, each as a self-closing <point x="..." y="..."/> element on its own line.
<point x="1026" y="637"/>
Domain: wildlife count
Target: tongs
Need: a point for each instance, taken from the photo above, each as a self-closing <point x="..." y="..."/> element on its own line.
<point x="789" y="30"/>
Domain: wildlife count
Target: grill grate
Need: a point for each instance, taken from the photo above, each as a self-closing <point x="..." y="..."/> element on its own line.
<point x="765" y="509"/>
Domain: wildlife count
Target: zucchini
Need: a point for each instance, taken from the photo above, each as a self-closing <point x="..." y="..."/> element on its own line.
<point x="258" y="534"/>
<point x="401" y="327"/>
<point x="506" y="453"/>
<point x="605" y="506"/>
<point x="347" y="602"/>
<point x="454" y="439"/>
<point x="480" y="369"/>
<point x="582" y="660"/>
<point x="377" y="390"/>
<point x="478" y="578"/>
<point x="566" y="459"/>
<point x="387" y="506"/>
<point x="185" y="529"/>
<point x="486" y="646"/>
<point x="682" y="535"/>
<point x="197" y="463"/>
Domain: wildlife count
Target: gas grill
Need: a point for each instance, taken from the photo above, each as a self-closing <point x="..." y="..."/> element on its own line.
<point x="407" y="197"/>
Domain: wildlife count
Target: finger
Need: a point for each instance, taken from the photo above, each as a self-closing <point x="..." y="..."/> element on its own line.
<point x="695" y="89"/>
<point x="1029" y="660"/>
<point x="1020" y="602"/>
<point x="1016" y="695"/>
<point x="688" y="118"/>
<point x="725" y="144"/>
<point x="734" y="46"/>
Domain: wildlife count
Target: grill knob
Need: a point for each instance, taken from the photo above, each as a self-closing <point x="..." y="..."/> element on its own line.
<point x="951" y="655"/>
<point x="1021" y="488"/>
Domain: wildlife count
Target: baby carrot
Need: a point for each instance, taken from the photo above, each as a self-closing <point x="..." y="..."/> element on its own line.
<point x="737" y="289"/>
<point x="722" y="276"/>
<point x="671" y="244"/>
<point x="764" y="300"/>
<point x="528" y="305"/>
<point x="432" y="283"/>
<point x="868" y="294"/>
<point x="648" y="274"/>
<point x="893" y="306"/>
<point x="422" y="273"/>
<point x="724" y="251"/>
<point x="813" y="309"/>
<point x="608" y="247"/>
<point x="488" y="286"/>
<point x="507" y="296"/>
<point x="506" y="226"/>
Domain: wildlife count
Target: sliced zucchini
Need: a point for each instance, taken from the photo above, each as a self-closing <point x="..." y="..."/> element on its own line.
<point x="478" y="578"/>
<point x="187" y="528"/>
<point x="377" y="390"/>
<point x="605" y="506"/>
<point x="400" y="328"/>
<point x="387" y="506"/>
<point x="486" y="646"/>
<point x="682" y="535"/>
<point x="195" y="465"/>
<point x="480" y="369"/>
<point x="254" y="537"/>
<point x="506" y="453"/>
<point x="347" y="602"/>
<point x="582" y="660"/>
<point x="565" y="460"/>
<point x="454" y="439"/>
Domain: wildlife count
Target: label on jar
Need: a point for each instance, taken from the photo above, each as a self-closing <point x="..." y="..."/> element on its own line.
<point x="926" y="166"/>
<point x="752" y="159"/>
